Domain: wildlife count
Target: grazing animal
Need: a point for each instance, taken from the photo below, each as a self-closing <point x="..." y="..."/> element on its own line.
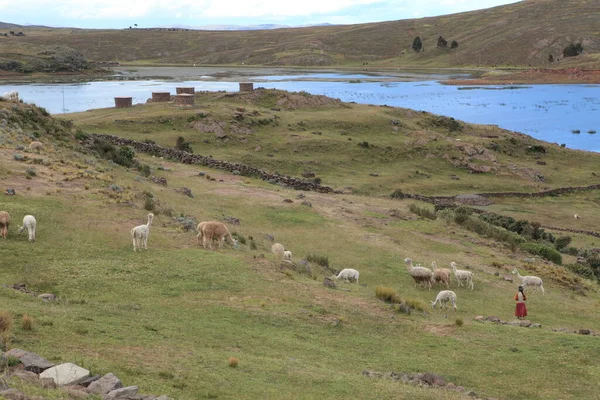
<point x="140" y="234"/>
<point x="215" y="230"/>
<point x="440" y="275"/>
<point x="576" y="216"/>
<point x="530" y="281"/>
<point x="419" y="274"/>
<point x="443" y="298"/>
<point x="36" y="146"/>
<point x="4" y="222"/>
<point x="278" y="250"/>
<point x="11" y="96"/>
<point x="348" y="274"/>
<point x="287" y="255"/>
<point x="29" y="223"/>
<point x="463" y="276"/>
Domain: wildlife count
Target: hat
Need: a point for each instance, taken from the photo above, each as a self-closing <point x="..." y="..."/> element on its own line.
<point x="520" y="288"/>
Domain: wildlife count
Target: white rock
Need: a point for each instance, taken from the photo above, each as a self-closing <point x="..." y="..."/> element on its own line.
<point x="65" y="374"/>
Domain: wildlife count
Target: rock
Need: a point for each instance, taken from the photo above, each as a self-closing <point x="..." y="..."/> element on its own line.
<point x="31" y="361"/>
<point x="65" y="374"/>
<point x="472" y="394"/>
<point x="328" y="282"/>
<point x="10" y="192"/>
<point x="18" y="157"/>
<point x="514" y="323"/>
<point x="76" y="392"/>
<point x="306" y="203"/>
<point x="47" y="383"/>
<point x="585" y="332"/>
<point x="106" y="384"/>
<point x="47" y="297"/>
<point x="493" y="319"/>
<point x="536" y="326"/>
<point x="525" y="323"/>
<point x="497" y="273"/>
<point x="479" y="318"/>
<point x="529" y="260"/>
<point x="122" y="393"/>
<point x="508" y="278"/>
<point x="301" y="196"/>
<point x="27" y="376"/>
<point x="478" y="169"/>
<point x="433" y="379"/>
<point x="13" y="394"/>
<point x="232" y="220"/>
<point x="288" y="201"/>
<point x="473" y="200"/>
<point x="257" y="148"/>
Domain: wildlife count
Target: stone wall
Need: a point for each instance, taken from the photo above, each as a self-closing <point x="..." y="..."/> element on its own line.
<point x="184" y="99"/>
<point x="235" y="168"/>
<point x="246" y="86"/>
<point x="158" y="97"/>
<point x="123" y="102"/>
<point x="185" y="90"/>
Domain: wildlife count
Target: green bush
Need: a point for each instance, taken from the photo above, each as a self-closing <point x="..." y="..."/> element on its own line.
<point x="562" y="242"/>
<point x="318" y="259"/>
<point x="387" y="294"/>
<point x="425" y="212"/>
<point x="546" y="252"/>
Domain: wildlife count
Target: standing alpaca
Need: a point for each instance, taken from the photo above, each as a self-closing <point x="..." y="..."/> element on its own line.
<point x="4" y="222"/>
<point x="278" y="250"/>
<point x="530" y="281"/>
<point x="462" y="276"/>
<point x="443" y="298"/>
<point x="215" y="230"/>
<point x="419" y="274"/>
<point x="29" y="223"/>
<point x="441" y="275"/>
<point x="140" y="234"/>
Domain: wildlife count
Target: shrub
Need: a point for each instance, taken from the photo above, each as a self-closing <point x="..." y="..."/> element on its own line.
<point x="425" y="212"/>
<point x="149" y="201"/>
<point x="122" y="156"/>
<point x="536" y="149"/>
<point x="253" y="244"/>
<point x="317" y="180"/>
<point x="459" y="321"/>
<point x="240" y="238"/>
<point x="387" y="294"/>
<point x="562" y="242"/>
<point x="575" y="131"/>
<point x="318" y="259"/>
<point x="573" y="50"/>
<point x="546" y="252"/>
<point x="583" y="270"/>
<point x="397" y="194"/>
<point x="454" y="44"/>
<point x="182" y="145"/>
<point x="415" y="304"/>
<point x="27" y="322"/>
<point x="145" y="170"/>
<point x="364" y="145"/>
<point x="447" y="214"/>
<point x="6" y="325"/>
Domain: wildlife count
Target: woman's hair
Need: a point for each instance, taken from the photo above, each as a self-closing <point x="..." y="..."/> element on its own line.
<point x="520" y="288"/>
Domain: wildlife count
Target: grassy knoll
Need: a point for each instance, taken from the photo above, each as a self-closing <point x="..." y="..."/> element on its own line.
<point x="505" y="36"/>
<point x="347" y="144"/>
<point x="168" y="319"/>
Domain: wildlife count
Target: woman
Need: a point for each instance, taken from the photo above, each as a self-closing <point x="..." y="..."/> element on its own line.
<point x="521" y="310"/>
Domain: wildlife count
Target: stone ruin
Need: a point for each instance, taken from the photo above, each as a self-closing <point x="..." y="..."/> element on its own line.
<point x="123" y="102"/>
<point x="246" y="86"/>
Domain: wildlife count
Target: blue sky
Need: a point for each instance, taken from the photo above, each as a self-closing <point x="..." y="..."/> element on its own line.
<point x="151" y="13"/>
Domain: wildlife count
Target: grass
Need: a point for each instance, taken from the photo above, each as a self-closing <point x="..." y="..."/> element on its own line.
<point x="185" y="310"/>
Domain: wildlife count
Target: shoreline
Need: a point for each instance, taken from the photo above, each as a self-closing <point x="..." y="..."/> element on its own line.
<point x="575" y="76"/>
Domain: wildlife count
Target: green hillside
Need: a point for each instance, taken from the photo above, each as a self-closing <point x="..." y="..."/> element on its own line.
<point x="169" y="318"/>
<point x="521" y="34"/>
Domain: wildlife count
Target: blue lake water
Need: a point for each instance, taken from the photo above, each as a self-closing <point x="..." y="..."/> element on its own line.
<point x="546" y="112"/>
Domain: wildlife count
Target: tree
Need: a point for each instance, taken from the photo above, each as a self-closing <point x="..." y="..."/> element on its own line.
<point x="417" y="45"/>
<point x="454" y="44"/>
<point x="442" y="43"/>
<point x="573" y="50"/>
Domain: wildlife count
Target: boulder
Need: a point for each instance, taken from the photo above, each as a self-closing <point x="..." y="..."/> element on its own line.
<point x="122" y="393"/>
<point x="31" y="361"/>
<point x="65" y="374"/>
<point x="105" y="385"/>
<point x="13" y="394"/>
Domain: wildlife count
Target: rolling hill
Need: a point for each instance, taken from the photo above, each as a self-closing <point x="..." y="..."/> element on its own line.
<point x="521" y="34"/>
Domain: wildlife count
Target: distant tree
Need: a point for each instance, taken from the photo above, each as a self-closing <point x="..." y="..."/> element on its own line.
<point x="181" y="144"/>
<point x="551" y="58"/>
<point x="135" y="25"/>
<point x="454" y="44"/>
<point x="417" y="45"/>
<point x="573" y="50"/>
<point x="442" y="43"/>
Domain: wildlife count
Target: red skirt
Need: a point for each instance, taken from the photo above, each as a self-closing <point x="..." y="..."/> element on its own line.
<point x="521" y="310"/>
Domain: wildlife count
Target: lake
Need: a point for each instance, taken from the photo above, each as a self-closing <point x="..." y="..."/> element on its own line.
<point x="547" y="112"/>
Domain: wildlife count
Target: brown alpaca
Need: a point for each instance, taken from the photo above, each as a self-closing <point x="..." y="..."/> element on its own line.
<point x="214" y="230"/>
<point x="4" y="222"/>
<point x="441" y="275"/>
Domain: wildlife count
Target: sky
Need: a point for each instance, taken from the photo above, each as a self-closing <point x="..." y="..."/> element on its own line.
<point x="117" y="14"/>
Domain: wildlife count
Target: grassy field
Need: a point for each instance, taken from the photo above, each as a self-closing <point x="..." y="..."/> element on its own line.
<point x="523" y="34"/>
<point x="169" y="318"/>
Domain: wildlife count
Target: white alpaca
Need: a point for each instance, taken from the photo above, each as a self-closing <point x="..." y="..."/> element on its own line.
<point x="530" y="281"/>
<point x="443" y="298"/>
<point x="215" y="230"/>
<point x="140" y="234"/>
<point x="419" y="274"/>
<point x="348" y="274"/>
<point x="463" y="276"/>
<point x="11" y="96"/>
<point x="278" y="250"/>
<point x="29" y="223"/>
<point x="287" y="255"/>
<point x="576" y="216"/>
<point x="36" y="146"/>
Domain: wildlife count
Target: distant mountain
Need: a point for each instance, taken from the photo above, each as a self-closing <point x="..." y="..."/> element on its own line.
<point x="259" y="27"/>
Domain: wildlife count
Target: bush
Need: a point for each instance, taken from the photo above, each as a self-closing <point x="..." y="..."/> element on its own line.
<point x="447" y="214"/>
<point x="425" y="212"/>
<point x="318" y="259"/>
<point x="387" y="294"/>
<point x="182" y="145"/>
<point x="582" y="270"/>
<point x="364" y="145"/>
<point x="27" y="322"/>
<point x="397" y="194"/>
<point x="562" y="242"/>
<point x="122" y="156"/>
<point x="573" y="50"/>
<point x="546" y="252"/>
<point x="459" y="321"/>
<point x="149" y="202"/>
<point x="144" y="170"/>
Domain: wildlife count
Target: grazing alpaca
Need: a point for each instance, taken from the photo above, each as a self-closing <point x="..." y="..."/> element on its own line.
<point x="530" y="281"/>
<point x="215" y="230"/>
<point x="287" y="255"/>
<point x="348" y="274"/>
<point x="4" y="222"/>
<point x="441" y="275"/>
<point x="576" y="216"/>
<point x="419" y="274"/>
<point x="462" y="276"/>
<point x="443" y="298"/>
<point x="36" y="146"/>
<point x="140" y="234"/>
<point x="29" y="223"/>
<point x="278" y="250"/>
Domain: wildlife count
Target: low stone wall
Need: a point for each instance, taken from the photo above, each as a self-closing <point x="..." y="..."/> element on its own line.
<point x="158" y="97"/>
<point x="246" y="86"/>
<point x="185" y="90"/>
<point x="184" y="99"/>
<point x="123" y="102"/>
<point x="235" y="168"/>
